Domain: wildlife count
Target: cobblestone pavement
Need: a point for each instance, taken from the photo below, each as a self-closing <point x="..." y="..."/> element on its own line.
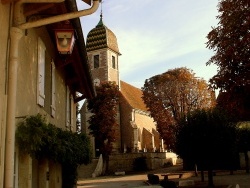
<point x="138" y="180"/>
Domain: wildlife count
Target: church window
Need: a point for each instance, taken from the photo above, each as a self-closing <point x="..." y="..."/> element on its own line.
<point x="96" y="61"/>
<point x="113" y="62"/>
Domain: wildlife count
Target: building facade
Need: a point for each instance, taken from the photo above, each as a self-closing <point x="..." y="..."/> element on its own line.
<point x="36" y="78"/>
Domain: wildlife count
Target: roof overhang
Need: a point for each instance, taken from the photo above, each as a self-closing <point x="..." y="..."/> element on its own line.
<point x="11" y="1"/>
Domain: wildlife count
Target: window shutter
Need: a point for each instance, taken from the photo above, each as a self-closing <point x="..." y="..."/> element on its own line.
<point x="41" y="73"/>
<point x="71" y="112"/>
<point x="53" y="89"/>
<point x="68" y="109"/>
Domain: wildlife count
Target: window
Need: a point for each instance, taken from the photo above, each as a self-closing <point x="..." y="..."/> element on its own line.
<point x="96" y="61"/>
<point x="68" y="110"/>
<point x="113" y="62"/>
<point x="41" y="73"/>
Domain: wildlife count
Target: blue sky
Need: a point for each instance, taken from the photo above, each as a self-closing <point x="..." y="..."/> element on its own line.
<point x="157" y="35"/>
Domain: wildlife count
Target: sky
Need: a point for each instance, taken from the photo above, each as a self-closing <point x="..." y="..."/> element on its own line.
<point x="155" y="36"/>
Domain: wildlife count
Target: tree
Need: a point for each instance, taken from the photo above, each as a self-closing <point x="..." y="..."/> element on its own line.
<point x="237" y="103"/>
<point x="230" y="41"/>
<point x="208" y="139"/>
<point x="243" y="141"/>
<point x="173" y="94"/>
<point x="103" y="122"/>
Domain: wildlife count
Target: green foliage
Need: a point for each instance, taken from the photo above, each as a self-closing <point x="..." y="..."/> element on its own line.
<point x="45" y="141"/>
<point x="208" y="139"/>
<point x="243" y="137"/>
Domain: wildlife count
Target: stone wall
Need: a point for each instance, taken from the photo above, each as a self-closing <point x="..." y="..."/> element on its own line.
<point x="124" y="162"/>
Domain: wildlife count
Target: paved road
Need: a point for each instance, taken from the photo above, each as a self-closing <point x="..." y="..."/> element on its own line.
<point x="136" y="181"/>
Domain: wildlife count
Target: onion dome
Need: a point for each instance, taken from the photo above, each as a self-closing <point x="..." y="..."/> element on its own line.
<point x="101" y="37"/>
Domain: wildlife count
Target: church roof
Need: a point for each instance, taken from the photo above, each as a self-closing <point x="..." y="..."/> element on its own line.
<point x="101" y="37"/>
<point x="133" y="96"/>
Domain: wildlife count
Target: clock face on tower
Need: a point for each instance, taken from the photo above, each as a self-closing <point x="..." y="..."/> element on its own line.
<point x="97" y="82"/>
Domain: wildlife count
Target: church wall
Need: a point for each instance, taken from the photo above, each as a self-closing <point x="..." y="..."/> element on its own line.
<point x="102" y="71"/>
<point x="150" y="137"/>
<point x="126" y="127"/>
<point x="113" y="72"/>
<point x="85" y="115"/>
<point x="157" y="139"/>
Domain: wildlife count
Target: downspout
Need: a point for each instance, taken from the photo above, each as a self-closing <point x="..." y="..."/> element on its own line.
<point x="60" y="18"/>
<point x="16" y="34"/>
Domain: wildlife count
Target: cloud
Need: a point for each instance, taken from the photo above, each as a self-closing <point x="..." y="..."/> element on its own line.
<point x="157" y="35"/>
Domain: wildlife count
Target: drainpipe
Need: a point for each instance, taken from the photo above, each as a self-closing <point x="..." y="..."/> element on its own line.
<point x="16" y="34"/>
<point x="60" y="18"/>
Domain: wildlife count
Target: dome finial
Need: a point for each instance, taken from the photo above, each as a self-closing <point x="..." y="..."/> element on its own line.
<point x="100" y="22"/>
<point x="101" y="10"/>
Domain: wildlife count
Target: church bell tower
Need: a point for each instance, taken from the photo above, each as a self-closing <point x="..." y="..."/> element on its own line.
<point x="103" y="54"/>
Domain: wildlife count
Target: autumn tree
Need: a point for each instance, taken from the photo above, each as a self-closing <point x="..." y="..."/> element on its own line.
<point x="103" y="122"/>
<point x="173" y="94"/>
<point x="230" y="41"/>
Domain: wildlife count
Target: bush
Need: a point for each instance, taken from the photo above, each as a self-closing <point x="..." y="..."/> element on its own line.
<point x="46" y="141"/>
<point x="153" y="179"/>
<point x="140" y="164"/>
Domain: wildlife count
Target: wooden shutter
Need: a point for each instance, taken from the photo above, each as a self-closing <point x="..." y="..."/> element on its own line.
<point x="41" y="73"/>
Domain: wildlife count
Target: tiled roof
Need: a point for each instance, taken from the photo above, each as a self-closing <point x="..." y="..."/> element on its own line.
<point x="101" y="37"/>
<point x="133" y="96"/>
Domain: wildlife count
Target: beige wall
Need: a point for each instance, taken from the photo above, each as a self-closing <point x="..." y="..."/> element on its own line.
<point x="27" y="104"/>
<point x="4" y="35"/>
<point x="27" y="80"/>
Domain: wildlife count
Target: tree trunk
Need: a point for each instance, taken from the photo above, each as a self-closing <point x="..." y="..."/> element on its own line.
<point x="196" y="171"/>
<point x="202" y="176"/>
<point x="210" y="178"/>
<point x="246" y="161"/>
<point x="105" y="164"/>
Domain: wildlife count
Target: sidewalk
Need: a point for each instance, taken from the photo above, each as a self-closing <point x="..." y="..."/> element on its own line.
<point x="222" y="179"/>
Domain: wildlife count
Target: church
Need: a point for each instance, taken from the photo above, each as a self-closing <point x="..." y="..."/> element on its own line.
<point x="137" y="129"/>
